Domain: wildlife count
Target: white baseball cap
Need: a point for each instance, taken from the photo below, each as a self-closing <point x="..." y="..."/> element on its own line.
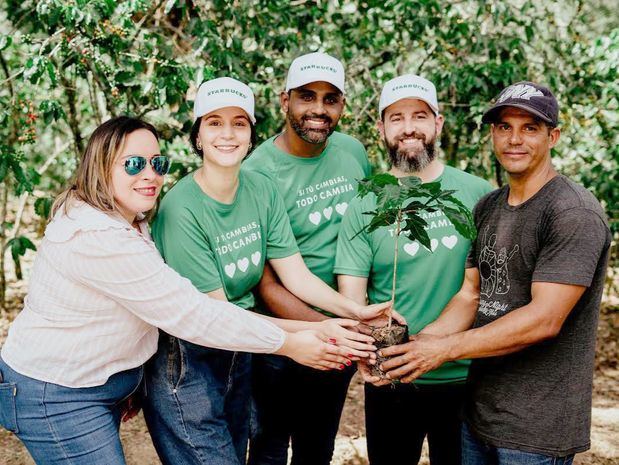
<point x="408" y="86"/>
<point x="315" y="67"/>
<point x="223" y="92"/>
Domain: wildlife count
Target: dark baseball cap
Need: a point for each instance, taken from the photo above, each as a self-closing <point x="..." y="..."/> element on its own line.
<point x="537" y="100"/>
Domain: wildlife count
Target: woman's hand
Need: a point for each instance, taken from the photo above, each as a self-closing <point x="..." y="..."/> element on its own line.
<point x="308" y="348"/>
<point x="357" y="344"/>
<point x="378" y="314"/>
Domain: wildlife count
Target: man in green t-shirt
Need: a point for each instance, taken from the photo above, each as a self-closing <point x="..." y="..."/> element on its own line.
<point x="316" y="170"/>
<point x="398" y="417"/>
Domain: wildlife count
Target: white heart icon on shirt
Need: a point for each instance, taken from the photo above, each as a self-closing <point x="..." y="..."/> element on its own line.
<point x="315" y="217"/>
<point x="255" y="258"/>
<point x="411" y="248"/>
<point x="341" y="208"/>
<point x="433" y="244"/>
<point x="243" y="264"/>
<point x="449" y="241"/>
<point x="328" y="212"/>
<point x="230" y="269"/>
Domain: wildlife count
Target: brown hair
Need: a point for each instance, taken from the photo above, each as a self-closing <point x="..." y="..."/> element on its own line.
<point x="93" y="179"/>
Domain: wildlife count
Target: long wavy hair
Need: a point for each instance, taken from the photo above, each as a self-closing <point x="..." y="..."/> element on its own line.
<point x="93" y="179"/>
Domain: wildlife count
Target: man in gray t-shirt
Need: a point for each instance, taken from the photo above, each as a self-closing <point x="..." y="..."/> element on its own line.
<point x="531" y="294"/>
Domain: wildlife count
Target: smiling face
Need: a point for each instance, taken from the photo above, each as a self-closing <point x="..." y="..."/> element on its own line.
<point x="522" y="142"/>
<point x="136" y="194"/>
<point x="313" y="110"/>
<point x="409" y="129"/>
<point x="224" y="137"/>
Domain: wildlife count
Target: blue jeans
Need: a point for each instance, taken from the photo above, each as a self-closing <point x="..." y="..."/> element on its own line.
<point x="66" y="426"/>
<point x="477" y="452"/>
<point x="197" y="402"/>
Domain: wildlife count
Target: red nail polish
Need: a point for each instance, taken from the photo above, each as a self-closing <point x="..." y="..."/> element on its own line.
<point x="341" y="367"/>
<point x="350" y="355"/>
<point x="348" y="362"/>
<point x="332" y="340"/>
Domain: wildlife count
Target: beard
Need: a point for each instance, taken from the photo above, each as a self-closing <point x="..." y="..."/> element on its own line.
<point x="411" y="160"/>
<point x="310" y="135"/>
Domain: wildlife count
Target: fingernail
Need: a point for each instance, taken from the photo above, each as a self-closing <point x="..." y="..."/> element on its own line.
<point x="332" y="340"/>
<point x="350" y="355"/>
<point x="342" y="367"/>
<point x="348" y="362"/>
<point x="380" y="353"/>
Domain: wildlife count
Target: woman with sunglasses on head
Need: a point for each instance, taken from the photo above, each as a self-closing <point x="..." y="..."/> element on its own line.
<point x="218" y="226"/>
<point x="98" y="291"/>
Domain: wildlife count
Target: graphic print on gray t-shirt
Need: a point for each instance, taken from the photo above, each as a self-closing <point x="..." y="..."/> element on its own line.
<point x="493" y="268"/>
<point x="538" y="399"/>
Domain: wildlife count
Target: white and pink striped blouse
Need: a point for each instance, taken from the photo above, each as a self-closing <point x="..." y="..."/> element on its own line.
<point x="98" y="292"/>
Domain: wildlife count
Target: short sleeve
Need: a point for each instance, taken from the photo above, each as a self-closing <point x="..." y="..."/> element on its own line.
<point x="354" y="251"/>
<point x="471" y="257"/>
<point x="259" y="161"/>
<point x="185" y="247"/>
<point x="280" y="242"/>
<point x="362" y="156"/>
<point x="572" y="246"/>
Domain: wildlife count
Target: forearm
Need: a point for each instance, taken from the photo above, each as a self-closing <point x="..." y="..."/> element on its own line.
<point x="310" y="288"/>
<point x="518" y="329"/>
<point x="458" y="315"/>
<point x="283" y="304"/>
<point x="460" y="312"/>
<point x="292" y="326"/>
<point x="353" y="287"/>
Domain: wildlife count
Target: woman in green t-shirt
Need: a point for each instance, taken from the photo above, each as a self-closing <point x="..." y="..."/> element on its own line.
<point x="217" y="226"/>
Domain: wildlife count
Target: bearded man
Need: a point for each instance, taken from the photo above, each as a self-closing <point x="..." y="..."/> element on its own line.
<point x="316" y="170"/>
<point x="399" y="417"/>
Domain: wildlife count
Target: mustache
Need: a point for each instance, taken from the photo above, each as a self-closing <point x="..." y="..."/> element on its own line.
<point x="414" y="134"/>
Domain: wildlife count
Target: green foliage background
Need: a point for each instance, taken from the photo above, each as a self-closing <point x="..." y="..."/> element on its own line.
<point x="67" y="65"/>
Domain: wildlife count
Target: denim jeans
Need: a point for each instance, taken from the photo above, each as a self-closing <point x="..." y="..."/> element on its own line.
<point x="296" y="404"/>
<point x="66" y="426"/>
<point x="197" y="403"/>
<point x="399" y="417"/>
<point x="477" y="452"/>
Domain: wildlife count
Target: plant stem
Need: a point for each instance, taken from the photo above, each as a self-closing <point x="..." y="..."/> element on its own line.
<point x="395" y="263"/>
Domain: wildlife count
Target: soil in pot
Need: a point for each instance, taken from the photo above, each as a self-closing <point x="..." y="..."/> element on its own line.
<point x="386" y="336"/>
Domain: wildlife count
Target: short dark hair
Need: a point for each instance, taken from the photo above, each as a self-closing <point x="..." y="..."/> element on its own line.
<point x="195" y="129"/>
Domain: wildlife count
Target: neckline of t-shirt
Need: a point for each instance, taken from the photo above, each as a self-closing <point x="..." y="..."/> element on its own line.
<point x="439" y="178"/>
<point x="527" y="202"/>
<point x="296" y="159"/>
<point x="216" y="203"/>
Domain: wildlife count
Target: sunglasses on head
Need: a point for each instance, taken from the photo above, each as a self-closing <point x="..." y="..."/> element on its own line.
<point x="135" y="164"/>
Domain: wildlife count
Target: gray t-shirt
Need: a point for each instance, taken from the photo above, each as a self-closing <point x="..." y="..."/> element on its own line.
<point x="538" y="399"/>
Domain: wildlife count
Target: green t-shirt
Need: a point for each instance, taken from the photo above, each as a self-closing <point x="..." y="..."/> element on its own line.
<point x="425" y="281"/>
<point x="218" y="245"/>
<point x="316" y="192"/>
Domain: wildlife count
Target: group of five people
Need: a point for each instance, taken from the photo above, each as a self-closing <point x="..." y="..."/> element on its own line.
<point x="276" y="231"/>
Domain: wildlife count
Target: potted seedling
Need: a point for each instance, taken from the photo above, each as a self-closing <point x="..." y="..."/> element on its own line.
<point x="400" y="202"/>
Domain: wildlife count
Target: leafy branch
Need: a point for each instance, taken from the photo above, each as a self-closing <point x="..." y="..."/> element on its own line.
<point x="401" y="202"/>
